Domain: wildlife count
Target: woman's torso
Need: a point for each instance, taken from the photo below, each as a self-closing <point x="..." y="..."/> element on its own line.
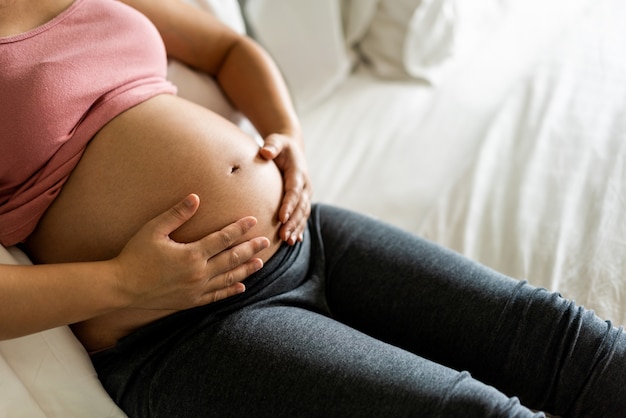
<point x="60" y="83"/>
<point x="139" y="164"/>
<point x="136" y="167"/>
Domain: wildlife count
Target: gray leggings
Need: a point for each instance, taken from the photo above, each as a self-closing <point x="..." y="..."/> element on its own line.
<point x="363" y="319"/>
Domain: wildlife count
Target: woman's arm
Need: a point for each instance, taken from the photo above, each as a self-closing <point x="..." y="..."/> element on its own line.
<point x="152" y="272"/>
<point x="253" y="83"/>
<point x="245" y="72"/>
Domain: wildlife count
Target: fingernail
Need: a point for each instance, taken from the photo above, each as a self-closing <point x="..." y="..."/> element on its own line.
<point x="259" y="265"/>
<point x="188" y="202"/>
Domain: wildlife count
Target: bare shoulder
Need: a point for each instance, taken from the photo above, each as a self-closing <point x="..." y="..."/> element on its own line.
<point x="19" y="16"/>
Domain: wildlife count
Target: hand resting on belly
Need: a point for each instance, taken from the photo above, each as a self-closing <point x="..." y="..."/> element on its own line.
<point x="140" y="164"/>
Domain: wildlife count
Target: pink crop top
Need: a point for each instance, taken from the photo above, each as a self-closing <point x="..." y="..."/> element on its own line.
<point x="59" y="84"/>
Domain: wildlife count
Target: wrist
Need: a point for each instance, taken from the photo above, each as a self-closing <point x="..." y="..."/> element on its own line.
<point x="118" y="284"/>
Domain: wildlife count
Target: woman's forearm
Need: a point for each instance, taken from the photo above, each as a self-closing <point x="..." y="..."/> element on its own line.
<point x="151" y="272"/>
<point x="35" y="298"/>
<point x="254" y="84"/>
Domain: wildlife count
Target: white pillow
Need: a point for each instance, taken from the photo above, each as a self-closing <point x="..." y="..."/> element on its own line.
<point x="357" y="16"/>
<point x="431" y="38"/>
<point x="420" y="39"/>
<point x="201" y="89"/>
<point x="227" y="11"/>
<point x="409" y="38"/>
<point x="305" y="38"/>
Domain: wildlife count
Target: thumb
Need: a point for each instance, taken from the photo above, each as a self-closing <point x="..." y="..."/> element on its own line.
<point x="174" y="217"/>
<point x="272" y="146"/>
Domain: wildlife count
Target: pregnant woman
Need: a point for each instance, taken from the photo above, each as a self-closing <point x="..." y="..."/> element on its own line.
<point x="341" y="315"/>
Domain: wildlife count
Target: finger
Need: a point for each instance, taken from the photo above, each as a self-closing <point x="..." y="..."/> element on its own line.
<point x="293" y="230"/>
<point x="297" y="204"/>
<point x="177" y="215"/>
<point x="229" y="283"/>
<point x="298" y="233"/>
<point x="294" y="187"/>
<point x="240" y="254"/>
<point x="272" y="146"/>
<point x="236" y="275"/>
<point x="217" y="295"/>
<point x="223" y="239"/>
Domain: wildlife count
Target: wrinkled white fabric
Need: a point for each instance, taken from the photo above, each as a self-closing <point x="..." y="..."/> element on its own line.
<point x="306" y="40"/>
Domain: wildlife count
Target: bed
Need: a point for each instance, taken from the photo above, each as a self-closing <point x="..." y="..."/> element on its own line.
<point x="498" y="131"/>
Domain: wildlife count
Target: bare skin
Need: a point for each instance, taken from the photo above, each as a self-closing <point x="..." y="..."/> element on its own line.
<point x="162" y="156"/>
<point x="151" y="272"/>
<point x="18" y="16"/>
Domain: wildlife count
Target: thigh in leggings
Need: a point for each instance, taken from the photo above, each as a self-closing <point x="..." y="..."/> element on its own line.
<point x="279" y="360"/>
<point x="525" y="341"/>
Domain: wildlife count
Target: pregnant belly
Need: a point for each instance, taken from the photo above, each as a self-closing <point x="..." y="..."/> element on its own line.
<point x="139" y="165"/>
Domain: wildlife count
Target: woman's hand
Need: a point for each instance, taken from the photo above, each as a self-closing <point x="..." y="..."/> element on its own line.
<point x="152" y="272"/>
<point x="288" y="154"/>
<point x="156" y="272"/>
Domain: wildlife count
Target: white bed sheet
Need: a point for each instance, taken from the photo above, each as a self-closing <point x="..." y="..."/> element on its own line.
<point x="545" y="198"/>
<point x="516" y="159"/>
<point x="49" y="374"/>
